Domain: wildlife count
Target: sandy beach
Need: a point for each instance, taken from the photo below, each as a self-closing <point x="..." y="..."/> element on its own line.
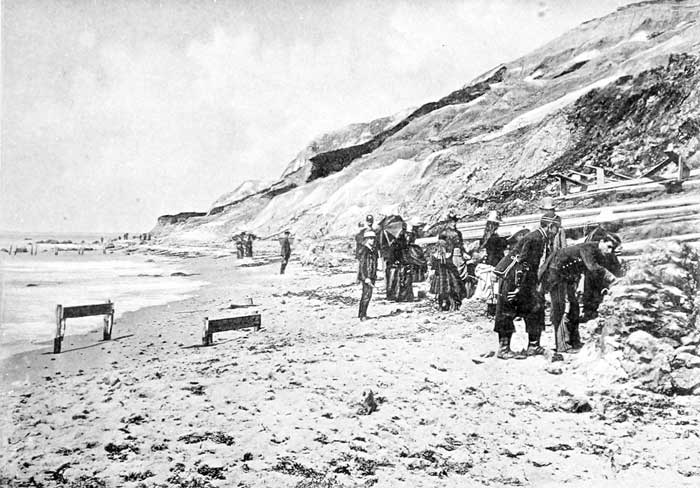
<point x="287" y="405"/>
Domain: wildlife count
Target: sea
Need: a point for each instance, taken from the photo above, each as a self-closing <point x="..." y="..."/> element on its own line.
<point x="32" y="285"/>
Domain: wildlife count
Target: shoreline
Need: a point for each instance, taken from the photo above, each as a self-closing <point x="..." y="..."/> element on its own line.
<point x="170" y="267"/>
<point x="124" y="325"/>
<point x="288" y="404"/>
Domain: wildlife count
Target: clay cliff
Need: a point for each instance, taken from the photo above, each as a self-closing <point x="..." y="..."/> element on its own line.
<point x="614" y="92"/>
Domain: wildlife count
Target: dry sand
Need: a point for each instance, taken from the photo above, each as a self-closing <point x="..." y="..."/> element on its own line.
<point x="284" y="406"/>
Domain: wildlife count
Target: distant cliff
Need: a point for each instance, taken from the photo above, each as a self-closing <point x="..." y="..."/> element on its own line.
<point x="613" y="92"/>
<point x="178" y="218"/>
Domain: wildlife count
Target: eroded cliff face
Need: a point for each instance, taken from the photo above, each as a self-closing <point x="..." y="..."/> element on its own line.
<point x="352" y="135"/>
<point x="244" y="190"/>
<point x="614" y="92"/>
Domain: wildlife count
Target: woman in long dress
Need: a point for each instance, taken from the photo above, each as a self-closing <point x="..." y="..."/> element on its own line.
<point x="446" y="283"/>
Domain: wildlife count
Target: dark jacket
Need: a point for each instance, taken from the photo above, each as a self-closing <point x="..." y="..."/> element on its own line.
<point x="399" y="248"/>
<point x="367" y="264"/>
<point x="530" y="249"/>
<point x="570" y="262"/>
<point x="495" y="247"/>
<point x="286" y="248"/>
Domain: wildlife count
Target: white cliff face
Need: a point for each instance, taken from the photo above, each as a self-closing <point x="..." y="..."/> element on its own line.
<point x="609" y="92"/>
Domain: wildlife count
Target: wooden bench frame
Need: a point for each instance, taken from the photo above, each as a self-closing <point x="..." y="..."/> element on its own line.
<point x="226" y="324"/>
<point x="63" y="313"/>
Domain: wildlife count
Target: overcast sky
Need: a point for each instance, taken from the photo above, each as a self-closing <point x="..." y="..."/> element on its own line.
<point x="116" y="111"/>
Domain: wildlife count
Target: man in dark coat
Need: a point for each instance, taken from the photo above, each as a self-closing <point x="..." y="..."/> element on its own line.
<point x="286" y="251"/>
<point x="519" y="294"/>
<point x="563" y="276"/>
<point x="594" y="282"/>
<point x="367" y="270"/>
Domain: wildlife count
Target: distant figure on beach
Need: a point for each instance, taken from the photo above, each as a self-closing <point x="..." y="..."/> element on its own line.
<point x="286" y="250"/>
<point x="249" y="246"/>
<point x="240" y="246"/>
<point x="367" y="270"/>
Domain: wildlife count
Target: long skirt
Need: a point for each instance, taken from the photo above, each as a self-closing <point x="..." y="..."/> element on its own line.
<point x="447" y="282"/>
<point x="405" y="293"/>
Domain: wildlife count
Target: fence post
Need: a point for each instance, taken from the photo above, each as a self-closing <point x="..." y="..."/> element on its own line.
<point x="58" y="338"/>
<point x="206" y="338"/>
<point x="600" y="176"/>
<point x="108" y="322"/>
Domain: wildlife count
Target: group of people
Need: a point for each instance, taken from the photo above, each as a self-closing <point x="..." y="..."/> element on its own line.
<point x="514" y="274"/>
<point x="542" y="263"/>
<point x="404" y="261"/>
<point x="244" y="245"/>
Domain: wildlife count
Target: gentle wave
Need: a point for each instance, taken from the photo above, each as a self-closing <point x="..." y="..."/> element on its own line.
<point x="32" y="286"/>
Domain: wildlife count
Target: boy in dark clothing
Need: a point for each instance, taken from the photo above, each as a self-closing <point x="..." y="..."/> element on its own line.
<point x="367" y="271"/>
<point x="594" y="282"/>
<point x="563" y="275"/>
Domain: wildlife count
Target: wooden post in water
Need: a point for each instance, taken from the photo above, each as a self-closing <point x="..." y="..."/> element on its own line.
<point x="59" y="320"/>
<point x="108" y="324"/>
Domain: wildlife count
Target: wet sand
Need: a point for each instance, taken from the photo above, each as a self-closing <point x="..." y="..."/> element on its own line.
<point x="288" y="405"/>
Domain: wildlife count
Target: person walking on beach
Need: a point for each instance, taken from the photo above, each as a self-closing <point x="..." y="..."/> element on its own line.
<point x="367" y="270"/>
<point x="286" y="251"/>
<point x="563" y="275"/>
<point x="519" y="293"/>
